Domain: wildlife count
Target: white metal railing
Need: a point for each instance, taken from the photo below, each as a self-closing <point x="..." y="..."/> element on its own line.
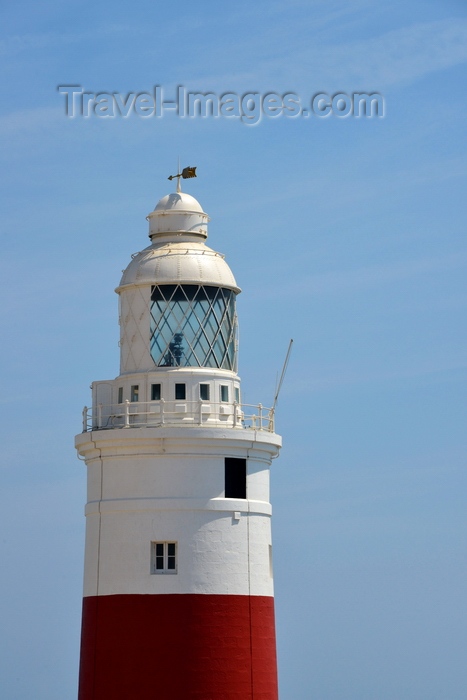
<point x="136" y="414"/>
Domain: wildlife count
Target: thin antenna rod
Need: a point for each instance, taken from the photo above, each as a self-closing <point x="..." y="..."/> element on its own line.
<point x="284" y="370"/>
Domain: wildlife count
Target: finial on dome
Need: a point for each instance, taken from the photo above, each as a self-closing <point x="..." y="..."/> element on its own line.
<point x="186" y="174"/>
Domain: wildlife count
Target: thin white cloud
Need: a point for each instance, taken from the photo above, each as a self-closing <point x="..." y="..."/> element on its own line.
<point x="399" y="56"/>
<point x="344" y="282"/>
<point x="304" y="57"/>
<point x="30" y="120"/>
<point x="304" y="49"/>
<point x="373" y="276"/>
<point x="19" y="43"/>
<point x="427" y="369"/>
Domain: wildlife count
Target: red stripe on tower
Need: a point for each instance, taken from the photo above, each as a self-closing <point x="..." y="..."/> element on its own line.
<point x="172" y="646"/>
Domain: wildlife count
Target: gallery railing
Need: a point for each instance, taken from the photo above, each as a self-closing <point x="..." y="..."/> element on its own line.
<point x="210" y="414"/>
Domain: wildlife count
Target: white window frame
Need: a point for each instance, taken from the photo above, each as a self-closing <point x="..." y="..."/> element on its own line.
<point x="178" y="388"/>
<point x="155" y="556"/>
<point x="207" y="388"/>
<point x="153" y="391"/>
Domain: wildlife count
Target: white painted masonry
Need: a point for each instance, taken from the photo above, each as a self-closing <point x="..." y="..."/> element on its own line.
<point x="155" y="482"/>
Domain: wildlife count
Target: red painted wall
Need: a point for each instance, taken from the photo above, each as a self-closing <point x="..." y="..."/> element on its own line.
<point x="178" y="647"/>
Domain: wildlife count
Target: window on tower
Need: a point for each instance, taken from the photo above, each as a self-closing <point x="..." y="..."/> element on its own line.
<point x="235" y="477"/>
<point x="204" y="392"/>
<point x="134" y="396"/>
<point x="180" y="392"/>
<point x="163" y="557"/>
<point x="155" y="392"/>
<point x="193" y="326"/>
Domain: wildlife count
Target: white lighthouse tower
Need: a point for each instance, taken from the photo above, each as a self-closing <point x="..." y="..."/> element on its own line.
<point x="178" y="584"/>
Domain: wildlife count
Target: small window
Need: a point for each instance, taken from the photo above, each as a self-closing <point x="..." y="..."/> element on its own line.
<point x="204" y="392"/>
<point x="224" y="392"/>
<point x="235" y="477"/>
<point x="171" y="556"/>
<point x="155" y="392"/>
<point x="180" y="391"/>
<point x="163" y="557"/>
<point x="237" y="394"/>
<point x="120" y="394"/>
<point x="134" y="393"/>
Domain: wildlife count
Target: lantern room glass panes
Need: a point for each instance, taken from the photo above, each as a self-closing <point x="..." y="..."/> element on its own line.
<point x="193" y="326"/>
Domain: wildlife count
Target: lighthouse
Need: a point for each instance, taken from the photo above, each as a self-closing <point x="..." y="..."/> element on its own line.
<point x="178" y="582"/>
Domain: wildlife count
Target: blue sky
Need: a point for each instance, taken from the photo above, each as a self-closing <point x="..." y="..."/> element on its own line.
<point x="346" y="234"/>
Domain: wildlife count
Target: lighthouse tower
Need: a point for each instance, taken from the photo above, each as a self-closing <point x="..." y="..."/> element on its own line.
<point x="178" y="582"/>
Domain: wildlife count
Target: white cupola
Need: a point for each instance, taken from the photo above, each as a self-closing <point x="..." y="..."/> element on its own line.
<point x="178" y="295"/>
<point x="180" y="214"/>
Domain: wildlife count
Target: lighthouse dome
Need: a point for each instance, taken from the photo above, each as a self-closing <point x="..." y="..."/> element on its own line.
<point x="179" y="262"/>
<point x="177" y="296"/>
<point x="178" y="213"/>
<point x="181" y="201"/>
<point x="178" y="254"/>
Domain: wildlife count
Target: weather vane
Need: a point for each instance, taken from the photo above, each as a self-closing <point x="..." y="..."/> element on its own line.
<point x="186" y="174"/>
